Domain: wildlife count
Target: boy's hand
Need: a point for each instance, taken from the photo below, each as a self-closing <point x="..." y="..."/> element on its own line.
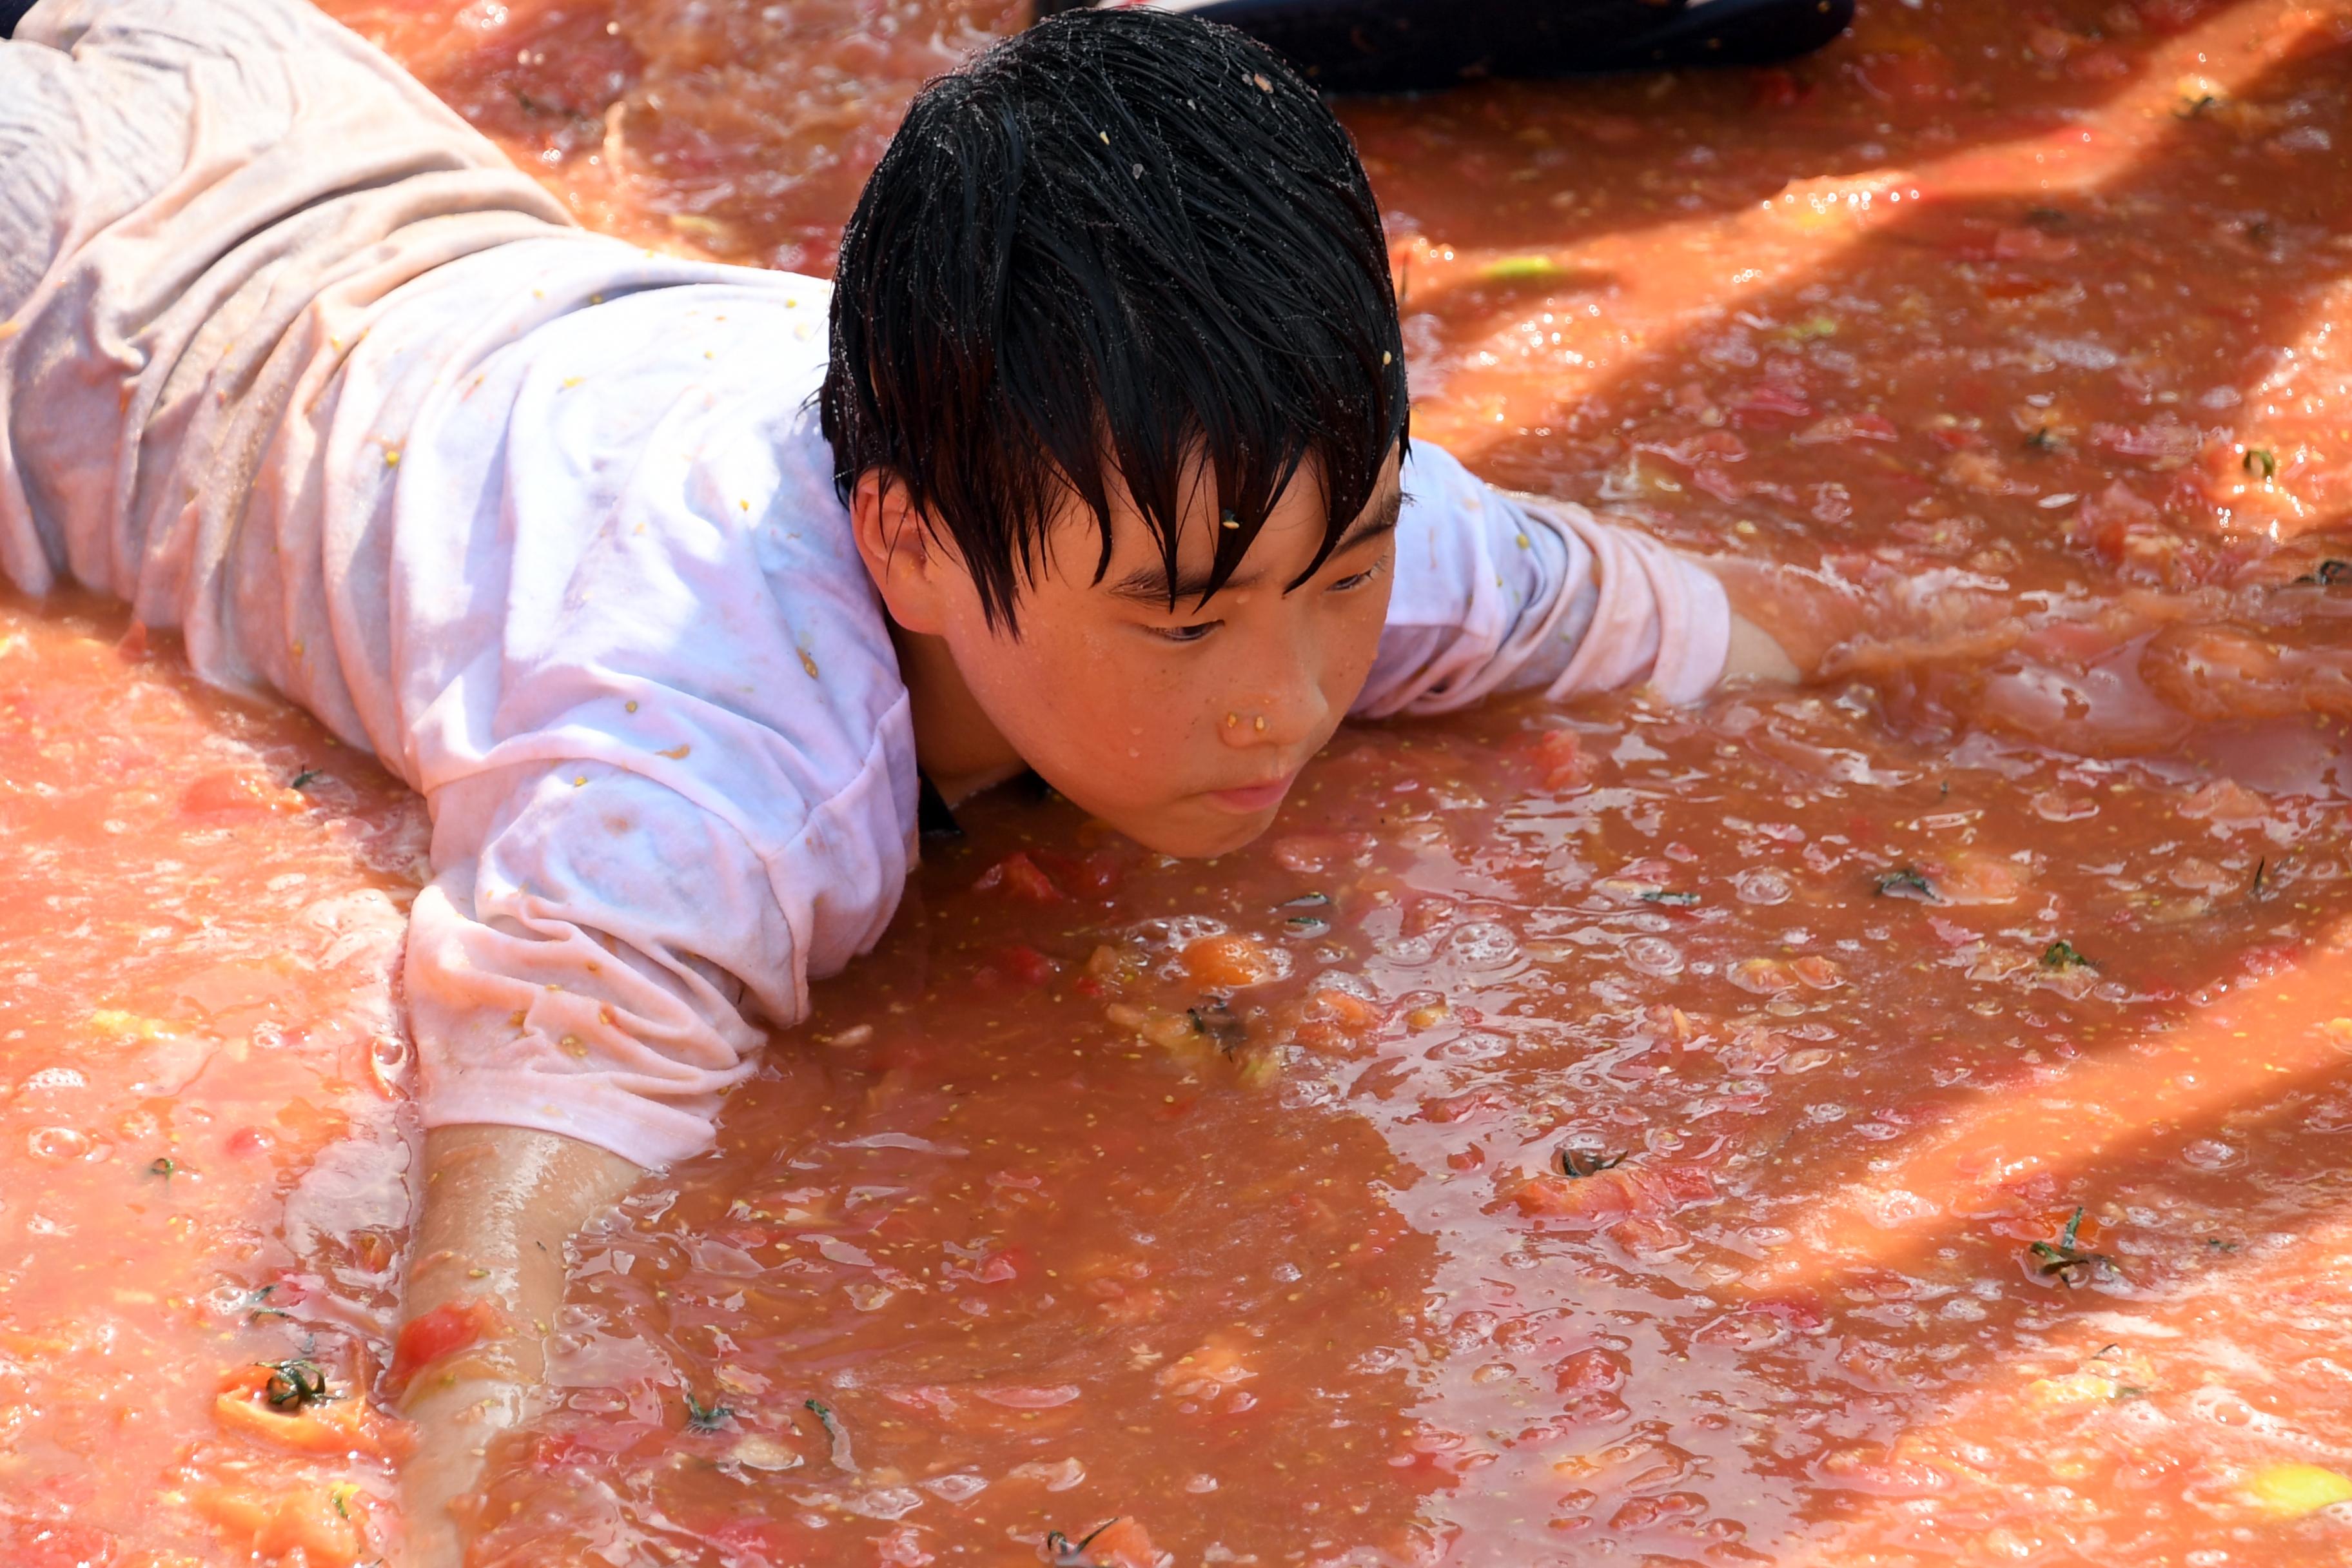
<point x="502" y="1206"/>
<point x="1825" y="624"/>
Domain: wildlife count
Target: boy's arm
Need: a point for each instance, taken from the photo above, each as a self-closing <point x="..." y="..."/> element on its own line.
<point x="1824" y="623"/>
<point x="1757" y="652"/>
<point x="502" y="1206"/>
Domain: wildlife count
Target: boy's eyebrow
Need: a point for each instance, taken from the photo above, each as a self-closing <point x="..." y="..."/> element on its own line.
<point x="1149" y="584"/>
<point x="1373" y="521"/>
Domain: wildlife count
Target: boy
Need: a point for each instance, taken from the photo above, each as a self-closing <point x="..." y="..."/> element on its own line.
<point x="678" y="598"/>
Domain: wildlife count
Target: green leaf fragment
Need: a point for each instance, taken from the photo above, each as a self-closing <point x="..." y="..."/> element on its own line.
<point x="1520" y="270"/>
<point x="1068" y="1553"/>
<point x="1310" y="919"/>
<point x="833" y="1430"/>
<point x="294" y="1383"/>
<point x="2264" y="458"/>
<point x="1906" y="882"/>
<point x="1672" y="900"/>
<point x="2067" y="1260"/>
<point x="1577" y="1164"/>
<point x="256" y="1305"/>
<point x="701" y="1418"/>
<point x="2061" y="955"/>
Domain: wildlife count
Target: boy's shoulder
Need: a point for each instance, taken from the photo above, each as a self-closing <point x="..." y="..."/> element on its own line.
<point x="609" y="378"/>
<point x="627" y="471"/>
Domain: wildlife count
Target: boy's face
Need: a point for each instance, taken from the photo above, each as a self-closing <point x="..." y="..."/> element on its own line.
<point x="1182" y="728"/>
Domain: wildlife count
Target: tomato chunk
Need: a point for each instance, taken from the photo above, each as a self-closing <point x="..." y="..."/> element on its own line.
<point x="444" y="1331"/>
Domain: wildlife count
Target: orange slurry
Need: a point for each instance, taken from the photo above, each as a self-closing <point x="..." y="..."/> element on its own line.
<point x="1650" y="1136"/>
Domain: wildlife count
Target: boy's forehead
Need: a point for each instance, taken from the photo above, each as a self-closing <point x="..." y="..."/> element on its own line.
<point x="1281" y="551"/>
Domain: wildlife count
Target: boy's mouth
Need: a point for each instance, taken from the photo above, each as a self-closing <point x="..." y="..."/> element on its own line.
<point x="1251" y="799"/>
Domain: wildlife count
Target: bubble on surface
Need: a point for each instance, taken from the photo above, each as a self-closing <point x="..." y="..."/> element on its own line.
<point x="1653" y="955"/>
<point x="59" y="1143"/>
<point x="1483" y="944"/>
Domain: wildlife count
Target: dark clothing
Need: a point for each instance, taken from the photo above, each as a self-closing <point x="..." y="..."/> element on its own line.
<point x="1402" y="45"/>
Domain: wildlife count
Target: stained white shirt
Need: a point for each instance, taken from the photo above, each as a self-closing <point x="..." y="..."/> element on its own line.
<point x="546" y="522"/>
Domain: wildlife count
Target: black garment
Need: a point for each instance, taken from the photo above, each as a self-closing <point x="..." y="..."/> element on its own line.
<point x="11" y="13"/>
<point x="1402" y="45"/>
<point x="933" y="819"/>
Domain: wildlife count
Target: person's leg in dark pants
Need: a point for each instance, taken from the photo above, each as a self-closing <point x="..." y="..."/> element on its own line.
<point x="1400" y="45"/>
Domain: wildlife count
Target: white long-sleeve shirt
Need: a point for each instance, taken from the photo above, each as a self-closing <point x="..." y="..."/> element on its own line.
<point x="546" y="524"/>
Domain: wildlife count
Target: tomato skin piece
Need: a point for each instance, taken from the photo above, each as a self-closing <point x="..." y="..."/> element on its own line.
<point x="304" y="1527"/>
<point x="1122" y="1544"/>
<point x="1774" y="87"/>
<point x="1025" y="965"/>
<point x="1619" y="1192"/>
<point x="1591" y="1371"/>
<point x="1229" y="963"/>
<point x="758" y="1543"/>
<point x="248" y="1142"/>
<point x="1098" y="875"/>
<point x="341" y="1425"/>
<point x="236" y="792"/>
<point x="1559" y="761"/>
<point x="439" y="1333"/>
<point x="1019" y="876"/>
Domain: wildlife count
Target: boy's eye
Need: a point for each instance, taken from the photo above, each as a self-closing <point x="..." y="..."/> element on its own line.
<point x="1356" y="581"/>
<point x="1186" y="633"/>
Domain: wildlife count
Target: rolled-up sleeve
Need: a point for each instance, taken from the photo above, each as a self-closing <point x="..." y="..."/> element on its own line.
<point x="636" y="669"/>
<point x="1498" y="593"/>
<point x="598" y="954"/>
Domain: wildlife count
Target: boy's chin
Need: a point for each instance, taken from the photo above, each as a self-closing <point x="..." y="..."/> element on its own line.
<point x="1194" y="830"/>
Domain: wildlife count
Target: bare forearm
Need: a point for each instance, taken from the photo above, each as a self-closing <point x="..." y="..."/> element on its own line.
<point x="1757" y="652"/>
<point x="500" y="1204"/>
<point x="1783" y="622"/>
<point x="484" y="1281"/>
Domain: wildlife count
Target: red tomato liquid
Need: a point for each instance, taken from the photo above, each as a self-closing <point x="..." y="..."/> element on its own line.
<point x="1899" y="1121"/>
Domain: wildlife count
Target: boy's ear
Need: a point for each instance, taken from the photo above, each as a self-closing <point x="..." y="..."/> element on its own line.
<point x="908" y="570"/>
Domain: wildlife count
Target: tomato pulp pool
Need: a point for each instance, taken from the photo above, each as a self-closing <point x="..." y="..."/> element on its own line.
<point x="1897" y="1122"/>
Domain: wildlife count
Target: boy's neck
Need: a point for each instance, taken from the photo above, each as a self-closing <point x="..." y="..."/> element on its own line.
<point x="959" y="749"/>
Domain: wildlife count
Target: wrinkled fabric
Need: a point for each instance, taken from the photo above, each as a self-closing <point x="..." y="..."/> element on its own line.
<point x="294" y="362"/>
<point x="1498" y="593"/>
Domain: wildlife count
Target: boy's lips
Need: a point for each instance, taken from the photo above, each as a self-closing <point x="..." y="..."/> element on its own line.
<point x="1251" y="799"/>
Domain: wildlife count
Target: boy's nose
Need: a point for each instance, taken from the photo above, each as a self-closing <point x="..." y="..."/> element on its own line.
<point x="1269" y="718"/>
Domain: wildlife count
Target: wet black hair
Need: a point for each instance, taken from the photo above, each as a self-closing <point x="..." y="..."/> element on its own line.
<point x="1122" y="245"/>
